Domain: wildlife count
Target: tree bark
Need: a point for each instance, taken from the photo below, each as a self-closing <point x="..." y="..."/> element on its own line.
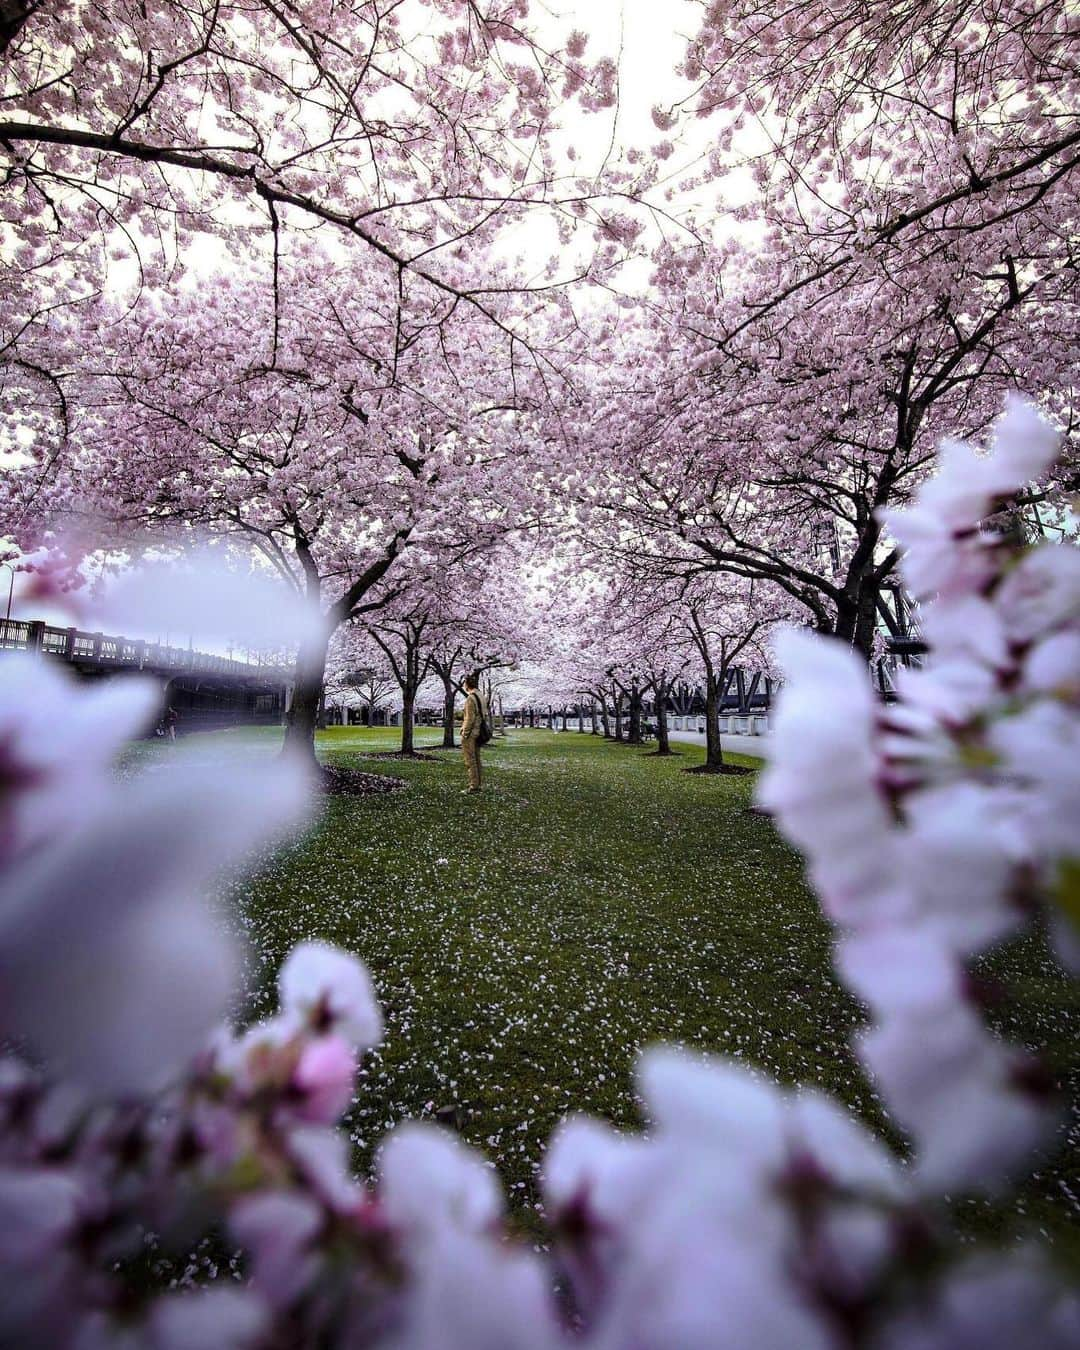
<point x="856" y="617"/>
<point x="303" y="714"/>
<point x="13" y="15"/>
<point x="663" y="744"/>
<point x="594" y="726"/>
<point x="633" y="734"/>
<point x="714" y="752"/>
<point x="618" y="719"/>
<point x="449" y="697"/>
<point x="408" y="704"/>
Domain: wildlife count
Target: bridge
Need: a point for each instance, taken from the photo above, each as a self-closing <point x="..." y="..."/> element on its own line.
<point x="205" y="690"/>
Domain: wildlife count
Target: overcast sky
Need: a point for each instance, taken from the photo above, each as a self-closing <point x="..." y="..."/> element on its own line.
<point x="648" y="40"/>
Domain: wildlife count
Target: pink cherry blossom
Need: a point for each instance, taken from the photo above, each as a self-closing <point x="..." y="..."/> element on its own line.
<point x="278" y="1227"/>
<point x="331" y="991"/>
<point x="429" y="1181"/>
<point x="123" y="991"/>
<point x="57" y="745"/>
<point x="324" y="1077"/>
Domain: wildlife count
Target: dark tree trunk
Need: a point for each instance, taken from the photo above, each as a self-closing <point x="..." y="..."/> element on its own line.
<point x="856" y="613"/>
<point x="663" y="745"/>
<point x="633" y="735"/>
<point x="303" y="714"/>
<point x="449" y="696"/>
<point x="867" y="623"/>
<point x="581" y="719"/>
<point x="605" y="721"/>
<point x="714" y="753"/>
<point x="532" y="719"/>
<point x="408" y="704"/>
<point x="594" y="727"/>
<point x="618" y="719"/>
<point x="410" y="685"/>
<point x="13" y="14"/>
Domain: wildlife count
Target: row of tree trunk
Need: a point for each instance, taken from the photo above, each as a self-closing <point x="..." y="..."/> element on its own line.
<point x="618" y="717"/>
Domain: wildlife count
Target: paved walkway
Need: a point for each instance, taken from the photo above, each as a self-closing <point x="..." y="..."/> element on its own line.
<point x="741" y="745"/>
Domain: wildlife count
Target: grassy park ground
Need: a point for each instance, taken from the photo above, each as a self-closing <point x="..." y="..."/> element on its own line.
<point x="524" y="944"/>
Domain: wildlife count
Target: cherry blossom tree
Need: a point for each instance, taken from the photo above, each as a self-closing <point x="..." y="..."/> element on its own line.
<point x="576" y="647"/>
<point x="727" y="626"/>
<point x="261" y="153"/>
<point x="447" y="621"/>
<point x="480" y="623"/>
<point x="402" y="129"/>
<point x="937" y="123"/>
<point x="356" y="670"/>
<point x="665" y="660"/>
<point x="356" y="440"/>
<point x="643" y="631"/>
<point x="645" y="637"/>
<point x="645" y="649"/>
<point x="770" y="456"/>
<point x="400" y="632"/>
<point x="903" y="257"/>
<point x="635" y="631"/>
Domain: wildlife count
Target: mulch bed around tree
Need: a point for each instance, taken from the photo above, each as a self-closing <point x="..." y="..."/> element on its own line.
<point x="730" y="769"/>
<point x="338" y="782"/>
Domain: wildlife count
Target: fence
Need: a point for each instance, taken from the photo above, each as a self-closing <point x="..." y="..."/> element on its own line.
<point x="100" y="649"/>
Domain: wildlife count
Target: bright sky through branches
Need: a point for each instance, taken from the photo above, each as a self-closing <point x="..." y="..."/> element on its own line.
<point x="647" y="41"/>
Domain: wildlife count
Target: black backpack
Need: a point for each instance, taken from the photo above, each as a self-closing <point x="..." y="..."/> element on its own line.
<point x="484" y="734"/>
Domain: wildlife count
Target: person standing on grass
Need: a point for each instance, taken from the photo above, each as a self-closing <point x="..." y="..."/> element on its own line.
<point x="475" y="729"/>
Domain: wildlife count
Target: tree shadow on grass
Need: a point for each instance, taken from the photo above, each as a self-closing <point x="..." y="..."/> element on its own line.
<point x="339" y="782"/>
<point x="730" y="770"/>
<point x="398" y="754"/>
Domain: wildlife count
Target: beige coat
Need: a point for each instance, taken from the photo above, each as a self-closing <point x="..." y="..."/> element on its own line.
<point x="475" y="704"/>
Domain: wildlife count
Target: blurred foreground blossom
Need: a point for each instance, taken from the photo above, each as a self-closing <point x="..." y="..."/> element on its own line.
<point x="1003" y="1301"/>
<point x="112" y="964"/>
<point x="744" y="1214"/>
<point x="941" y="824"/>
<point x="322" y="985"/>
<point x="202" y="594"/>
<point x="948" y="555"/>
<point x="57" y="744"/>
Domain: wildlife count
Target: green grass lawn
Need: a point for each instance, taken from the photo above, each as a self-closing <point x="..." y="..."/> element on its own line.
<point x="525" y="943"/>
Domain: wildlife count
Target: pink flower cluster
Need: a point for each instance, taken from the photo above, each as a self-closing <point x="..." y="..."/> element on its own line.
<point x="746" y="1215"/>
<point x="944" y="822"/>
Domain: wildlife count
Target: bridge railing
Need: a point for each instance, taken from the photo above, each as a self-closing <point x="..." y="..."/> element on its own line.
<point x="75" y="645"/>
